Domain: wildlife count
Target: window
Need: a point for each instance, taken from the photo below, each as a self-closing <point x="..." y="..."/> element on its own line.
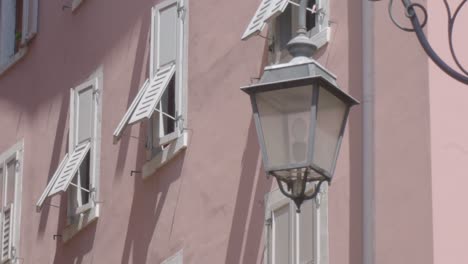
<point x="18" y="25"/>
<point x="296" y="238"/>
<point x="10" y="197"/>
<point x="281" y="15"/>
<point x="162" y="98"/>
<point x="77" y="175"/>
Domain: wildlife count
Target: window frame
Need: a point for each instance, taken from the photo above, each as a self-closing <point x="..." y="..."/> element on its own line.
<point x="15" y="152"/>
<point x="274" y="201"/>
<point x="319" y="35"/>
<point x="168" y="146"/>
<point x="28" y="30"/>
<point x="81" y="216"/>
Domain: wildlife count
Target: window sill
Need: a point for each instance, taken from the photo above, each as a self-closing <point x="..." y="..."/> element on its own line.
<point x="75" y="4"/>
<point x="12" y="61"/>
<point x="176" y="146"/>
<point x="81" y="221"/>
<point x="321" y="38"/>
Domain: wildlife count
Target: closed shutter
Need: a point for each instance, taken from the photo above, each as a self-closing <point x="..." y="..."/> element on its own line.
<point x="267" y="10"/>
<point x="281" y="240"/>
<point x="65" y="173"/>
<point x="306" y="232"/>
<point x="84" y="116"/>
<point x="7" y="233"/>
<point x="30" y="17"/>
<point x="164" y="36"/>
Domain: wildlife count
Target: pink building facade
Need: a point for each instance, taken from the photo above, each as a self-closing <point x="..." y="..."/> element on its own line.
<point x="89" y="175"/>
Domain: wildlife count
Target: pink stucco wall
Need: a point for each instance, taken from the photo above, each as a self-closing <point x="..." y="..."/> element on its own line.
<point x="402" y="144"/>
<point x="208" y="201"/>
<point x="449" y="142"/>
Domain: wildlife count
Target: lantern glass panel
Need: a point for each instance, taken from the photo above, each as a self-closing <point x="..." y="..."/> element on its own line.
<point x="331" y="112"/>
<point x="285" y="122"/>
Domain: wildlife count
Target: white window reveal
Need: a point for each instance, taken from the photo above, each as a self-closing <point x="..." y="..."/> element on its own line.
<point x="282" y="19"/>
<point x="77" y="174"/>
<point x="18" y="25"/>
<point x="162" y="98"/>
<point x="296" y="238"/>
<point x="10" y="198"/>
<point x="177" y="258"/>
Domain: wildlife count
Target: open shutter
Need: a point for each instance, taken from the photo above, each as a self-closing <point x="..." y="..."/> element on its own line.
<point x="267" y="10"/>
<point x="7" y="233"/>
<point x="153" y="93"/>
<point x="123" y="123"/>
<point x="65" y="173"/>
<point x="147" y="99"/>
<point x="30" y="16"/>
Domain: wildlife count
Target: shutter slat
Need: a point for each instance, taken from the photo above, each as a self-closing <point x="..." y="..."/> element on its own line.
<point x="124" y="122"/>
<point x="153" y="94"/>
<point x="54" y="178"/>
<point x="267" y="10"/>
<point x="7" y="227"/>
<point x="71" y="167"/>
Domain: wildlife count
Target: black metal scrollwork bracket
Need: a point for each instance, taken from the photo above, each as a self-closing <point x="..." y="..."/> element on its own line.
<point x="412" y="15"/>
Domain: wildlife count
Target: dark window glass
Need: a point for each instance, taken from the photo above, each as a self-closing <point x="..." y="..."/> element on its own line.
<point x="310" y="18"/>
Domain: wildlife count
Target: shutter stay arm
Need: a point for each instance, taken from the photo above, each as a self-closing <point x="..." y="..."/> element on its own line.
<point x="79" y="187"/>
<point x="314" y="10"/>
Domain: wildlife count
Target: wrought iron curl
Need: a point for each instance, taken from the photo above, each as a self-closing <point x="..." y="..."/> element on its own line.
<point x="418" y="30"/>
<point x="409" y="12"/>
<point x="451" y="24"/>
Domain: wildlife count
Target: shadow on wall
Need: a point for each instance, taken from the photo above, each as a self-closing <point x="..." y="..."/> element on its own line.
<point x="56" y="159"/>
<point x="245" y="238"/>
<point x="245" y="243"/>
<point x="81" y="245"/>
<point x="149" y="197"/>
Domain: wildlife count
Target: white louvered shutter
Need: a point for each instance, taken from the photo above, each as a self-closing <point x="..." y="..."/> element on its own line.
<point x="152" y="94"/>
<point x="123" y="123"/>
<point x="267" y="10"/>
<point x="164" y="36"/>
<point x="70" y="168"/>
<point x="306" y="232"/>
<point x="281" y="238"/>
<point x="65" y="172"/>
<point x="30" y="17"/>
<point x="7" y="233"/>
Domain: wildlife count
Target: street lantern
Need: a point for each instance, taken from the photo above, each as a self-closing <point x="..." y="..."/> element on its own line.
<point x="300" y="123"/>
<point x="300" y="115"/>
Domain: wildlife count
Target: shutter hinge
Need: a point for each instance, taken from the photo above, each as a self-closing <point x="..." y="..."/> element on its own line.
<point x="17" y="165"/>
<point x="268" y="222"/>
<point x="181" y="10"/>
